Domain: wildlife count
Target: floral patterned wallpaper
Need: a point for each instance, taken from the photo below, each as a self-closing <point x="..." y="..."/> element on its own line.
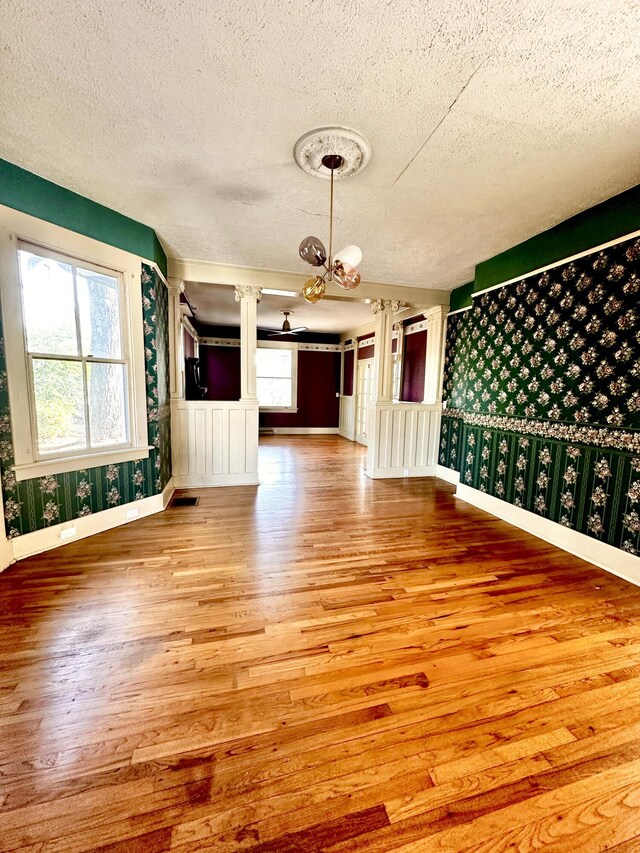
<point x="542" y="383"/>
<point x="33" y="504"/>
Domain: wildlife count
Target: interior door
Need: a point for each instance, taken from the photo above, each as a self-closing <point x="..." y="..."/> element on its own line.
<point x="364" y="394"/>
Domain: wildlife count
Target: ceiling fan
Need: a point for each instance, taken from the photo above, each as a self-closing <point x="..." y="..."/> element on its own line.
<point x="286" y="327"/>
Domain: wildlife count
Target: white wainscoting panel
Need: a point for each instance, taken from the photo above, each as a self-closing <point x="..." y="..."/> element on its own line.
<point x="215" y="443"/>
<point x="403" y="440"/>
<point x="347" y="423"/>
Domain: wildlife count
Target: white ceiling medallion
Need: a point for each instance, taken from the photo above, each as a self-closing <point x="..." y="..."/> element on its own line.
<point x="316" y="144"/>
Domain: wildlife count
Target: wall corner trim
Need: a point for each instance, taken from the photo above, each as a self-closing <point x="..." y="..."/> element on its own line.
<point x="49" y="537"/>
<point x="614" y="560"/>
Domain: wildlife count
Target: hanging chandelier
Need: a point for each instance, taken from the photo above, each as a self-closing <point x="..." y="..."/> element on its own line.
<point x="316" y="153"/>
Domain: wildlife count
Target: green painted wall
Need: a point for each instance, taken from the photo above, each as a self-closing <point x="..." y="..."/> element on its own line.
<point x="461" y="297"/>
<point x="613" y="218"/>
<point x="38" y="197"/>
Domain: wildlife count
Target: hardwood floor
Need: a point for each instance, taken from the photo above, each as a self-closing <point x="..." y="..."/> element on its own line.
<point x="322" y="663"/>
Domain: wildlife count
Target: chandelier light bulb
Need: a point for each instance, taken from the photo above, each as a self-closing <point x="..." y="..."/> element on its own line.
<point x="314" y="289"/>
<point x="351" y="255"/>
<point x="346" y="276"/>
<point x="313" y="251"/>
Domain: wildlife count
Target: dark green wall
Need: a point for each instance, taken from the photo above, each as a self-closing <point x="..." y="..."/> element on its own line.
<point x="38" y="197"/>
<point x="613" y="218"/>
<point x="461" y="297"/>
<point x="607" y="221"/>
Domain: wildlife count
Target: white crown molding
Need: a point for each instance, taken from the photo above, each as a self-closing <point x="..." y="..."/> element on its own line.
<point x="219" y="342"/>
<point x="367" y="342"/>
<point x="614" y="560"/>
<point x="420" y="326"/>
<point x="320" y="347"/>
<point x="234" y="342"/>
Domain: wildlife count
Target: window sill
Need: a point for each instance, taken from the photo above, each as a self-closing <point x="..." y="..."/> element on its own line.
<point x="48" y="467"/>
<point x="281" y="409"/>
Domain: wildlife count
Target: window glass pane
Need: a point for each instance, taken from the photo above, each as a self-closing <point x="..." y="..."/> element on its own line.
<point x="273" y="362"/>
<point x="49" y="308"/>
<point x="99" y="309"/>
<point x="58" y="389"/>
<point x="274" y="391"/>
<point x="107" y="404"/>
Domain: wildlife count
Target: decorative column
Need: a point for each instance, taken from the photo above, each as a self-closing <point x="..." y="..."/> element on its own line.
<point x="176" y="348"/>
<point x="248" y="297"/>
<point x="436" y="324"/>
<point x="398" y="328"/>
<point x="383" y="310"/>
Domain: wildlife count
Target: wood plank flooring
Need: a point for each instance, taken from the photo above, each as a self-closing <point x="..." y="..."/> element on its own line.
<point x="323" y="663"/>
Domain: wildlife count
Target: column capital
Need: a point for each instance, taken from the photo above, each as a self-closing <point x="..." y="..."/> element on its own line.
<point x="392" y="305"/>
<point x="175" y="285"/>
<point x="246" y="291"/>
<point x="435" y="315"/>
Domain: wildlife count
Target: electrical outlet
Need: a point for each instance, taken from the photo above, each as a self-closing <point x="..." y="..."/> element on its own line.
<point x="67" y="533"/>
<point x="133" y="513"/>
<point x="405" y="473"/>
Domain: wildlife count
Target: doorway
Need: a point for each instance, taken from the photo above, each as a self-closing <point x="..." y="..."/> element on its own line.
<point x="364" y="396"/>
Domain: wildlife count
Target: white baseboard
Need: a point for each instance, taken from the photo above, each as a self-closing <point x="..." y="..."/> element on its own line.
<point x="6" y="553"/>
<point x="350" y="436"/>
<point x="614" y="560"/>
<point x="193" y="481"/>
<point x="88" y="525"/>
<point x="396" y="473"/>
<point x="448" y="474"/>
<point x="300" y="430"/>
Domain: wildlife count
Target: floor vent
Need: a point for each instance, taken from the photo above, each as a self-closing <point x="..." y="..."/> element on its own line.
<point x="185" y="502"/>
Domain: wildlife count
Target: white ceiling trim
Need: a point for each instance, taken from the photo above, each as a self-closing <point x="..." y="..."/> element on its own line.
<point x="420" y="326"/>
<point x="234" y="342"/>
<point x="209" y="272"/>
<point x="219" y="342"/>
<point x="320" y="347"/>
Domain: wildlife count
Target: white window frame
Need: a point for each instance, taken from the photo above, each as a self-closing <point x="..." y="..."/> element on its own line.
<point x="17" y="227"/>
<point x="290" y="345"/>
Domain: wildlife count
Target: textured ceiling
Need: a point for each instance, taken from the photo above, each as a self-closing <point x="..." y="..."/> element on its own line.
<point x="490" y="120"/>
